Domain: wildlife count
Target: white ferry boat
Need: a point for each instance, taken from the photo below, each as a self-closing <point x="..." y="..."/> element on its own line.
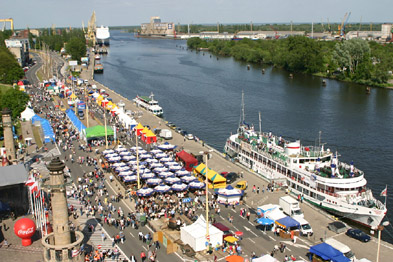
<point x="103" y="36"/>
<point x="148" y="103"/>
<point x="310" y="171"/>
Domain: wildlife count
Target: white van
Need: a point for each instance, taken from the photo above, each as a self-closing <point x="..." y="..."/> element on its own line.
<point x="166" y="134"/>
<point x="305" y="228"/>
<point x="341" y="247"/>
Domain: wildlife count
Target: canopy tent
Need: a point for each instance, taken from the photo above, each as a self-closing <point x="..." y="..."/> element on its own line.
<point x="27" y="114"/>
<point x="126" y="120"/>
<point x="264" y="221"/>
<point x="139" y="129"/>
<point x="215" y="180"/>
<point x="75" y="120"/>
<point x="327" y="252"/>
<point x="229" y="195"/>
<point x="97" y="132"/>
<point x="46" y="128"/>
<point x="149" y="137"/>
<point x="288" y="223"/>
<point x="189" y="160"/>
<point x="195" y="235"/>
<point x="275" y="214"/>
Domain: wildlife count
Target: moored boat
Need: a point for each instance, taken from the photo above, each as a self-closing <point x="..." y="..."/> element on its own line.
<point x="149" y="104"/>
<point x="309" y="171"/>
<point x="99" y="68"/>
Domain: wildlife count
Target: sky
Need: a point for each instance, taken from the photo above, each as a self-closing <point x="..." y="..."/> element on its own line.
<point x="65" y="13"/>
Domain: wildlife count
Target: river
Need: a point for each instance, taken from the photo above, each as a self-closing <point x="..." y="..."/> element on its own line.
<point x="202" y="94"/>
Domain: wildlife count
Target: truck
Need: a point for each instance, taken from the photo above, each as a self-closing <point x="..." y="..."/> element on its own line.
<point x="305" y="228"/>
<point x="291" y="207"/>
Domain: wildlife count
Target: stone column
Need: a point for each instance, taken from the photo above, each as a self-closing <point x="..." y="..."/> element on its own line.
<point x="61" y="227"/>
<point x="8" y="135"/>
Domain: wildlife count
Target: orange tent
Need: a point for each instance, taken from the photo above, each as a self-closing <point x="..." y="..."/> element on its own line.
<point x="234" y="258"/>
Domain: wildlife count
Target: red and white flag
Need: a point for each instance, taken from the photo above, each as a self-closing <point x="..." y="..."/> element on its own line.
<point x="34" y="187"/>
<point x="30" y="181"/>
<point x="385" y="191"/>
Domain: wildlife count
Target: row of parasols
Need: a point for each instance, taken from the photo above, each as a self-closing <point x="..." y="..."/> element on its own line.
<point x="156" y="168"/>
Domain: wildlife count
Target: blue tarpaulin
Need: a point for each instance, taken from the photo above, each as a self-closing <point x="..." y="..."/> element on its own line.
<point x="75" y="120"/>
<point x="327" y="252"/>
<point x="46" y="128"/>
<point x="287" y="222"/>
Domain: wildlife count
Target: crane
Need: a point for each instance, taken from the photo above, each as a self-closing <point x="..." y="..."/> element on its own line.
<point x="11" y="22"/>
<point x="343" y="23"/>
<point x="276" y="36"/>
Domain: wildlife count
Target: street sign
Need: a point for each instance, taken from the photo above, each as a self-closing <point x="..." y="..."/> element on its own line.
<point x="73" y="63"/>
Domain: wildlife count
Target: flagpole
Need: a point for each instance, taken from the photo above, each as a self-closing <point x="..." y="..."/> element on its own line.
<point x="386" y="195"/>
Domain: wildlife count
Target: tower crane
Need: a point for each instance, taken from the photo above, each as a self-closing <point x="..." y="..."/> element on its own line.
<point x="343" y="23"/>
<point x="9" y="20"/>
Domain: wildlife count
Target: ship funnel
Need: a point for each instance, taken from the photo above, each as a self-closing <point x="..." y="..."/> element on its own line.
<point x="293" y="148"/>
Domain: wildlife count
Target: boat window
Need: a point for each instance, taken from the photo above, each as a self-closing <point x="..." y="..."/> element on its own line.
<point x="320" y="198"/>
<point x="295" y="161"/>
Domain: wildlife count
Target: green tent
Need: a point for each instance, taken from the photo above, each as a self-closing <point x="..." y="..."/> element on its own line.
<point x="98" y="131"/>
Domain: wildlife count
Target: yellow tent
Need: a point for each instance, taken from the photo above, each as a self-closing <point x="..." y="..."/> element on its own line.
<point x="231" y="239"/>
<point x="149" y="134"/>
<point x="109" y="105"/>
<point x="145" y="130"/>
<point x="73" y="96"/>
<point x="99" y="99"/>
<point x="216" y="179"/>
<point x="139" y="126"/>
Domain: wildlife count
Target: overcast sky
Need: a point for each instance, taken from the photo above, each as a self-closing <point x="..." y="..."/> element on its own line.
<point x="63" y="13"/>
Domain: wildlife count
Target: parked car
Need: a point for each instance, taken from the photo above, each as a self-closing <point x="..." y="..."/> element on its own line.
<point x="337" y="227"/>
<point x="230" y="177"/>
<point x="358" y="234"/>
<point x="171" y="125"/>
<point x="189" y="136"/>
<point x="179" y="130"/>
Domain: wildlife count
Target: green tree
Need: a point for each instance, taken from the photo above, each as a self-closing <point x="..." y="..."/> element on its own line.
<point x="76" y="47"/>
<point x="10" y="70"/>
<point x="15" y="100"/>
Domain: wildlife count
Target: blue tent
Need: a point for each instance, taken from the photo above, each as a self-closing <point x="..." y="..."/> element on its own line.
<point x="75" y="120"/>
<point x="46" y="128"/>
<point x="287" y="222"/>
<point x="265" y="221"/>
<point x="327" y="252"/>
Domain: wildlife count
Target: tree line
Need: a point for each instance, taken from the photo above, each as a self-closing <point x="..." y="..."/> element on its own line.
<point x="354" y="60"/>
<point x="72" y="40"/>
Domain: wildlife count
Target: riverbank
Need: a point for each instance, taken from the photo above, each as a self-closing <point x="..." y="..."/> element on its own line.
<point x="305" y="55"/>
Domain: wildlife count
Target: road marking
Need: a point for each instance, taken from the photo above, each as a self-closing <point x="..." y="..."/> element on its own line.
<point x="288" y="249"/>
<point x="248" y="206"/>
<point x="149" y="228"/>
<point x="249" y="230"/>
<point x="132" y="235"/>
<point x="302" y="258"/>
<point x="250" y="223"/>
<point x="233" y="210"/>
<point x="272" y="238"/>
<point x="251" y="240"/>
<point x="144" y="248"/>
<point x="236" y="228"/>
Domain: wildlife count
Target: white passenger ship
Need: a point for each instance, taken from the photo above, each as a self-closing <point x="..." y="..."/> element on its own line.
<point x="149" y="104"/>
<point x="310" y="171"/>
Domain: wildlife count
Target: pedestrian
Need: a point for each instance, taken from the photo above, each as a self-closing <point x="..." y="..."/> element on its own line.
<point x="258" y="190"/>
<point x="143" y="256"/>
<point x="133" y="258"/>
<point x="253" y="188"/>
<point x="248" y="215"/>
<point x="103" y="237"/>
<point x="5" y="243"/>
<point x="157" y="245"/>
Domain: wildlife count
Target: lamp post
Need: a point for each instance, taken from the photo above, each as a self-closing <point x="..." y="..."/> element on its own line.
<point x="380" y="228"/>
<point x="206" y="153"/>
<point x="106" y="134"/>
<point x="137" y="159"/>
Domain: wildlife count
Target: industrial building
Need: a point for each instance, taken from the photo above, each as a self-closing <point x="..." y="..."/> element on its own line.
<point x="156" y="28"/>
<point x="383" y="35"/>
<point x="20" y="48"/>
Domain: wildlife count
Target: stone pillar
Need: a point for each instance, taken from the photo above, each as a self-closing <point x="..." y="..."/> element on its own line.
<point x="8" y="135"/>
<point x="61" y="227"/>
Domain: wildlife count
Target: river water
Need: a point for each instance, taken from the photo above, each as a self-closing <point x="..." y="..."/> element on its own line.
<point x="202" y="94"/>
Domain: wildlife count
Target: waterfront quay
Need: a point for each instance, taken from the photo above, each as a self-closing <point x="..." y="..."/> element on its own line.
<point x="318" y="219"/>
<point x="254" y="240"/>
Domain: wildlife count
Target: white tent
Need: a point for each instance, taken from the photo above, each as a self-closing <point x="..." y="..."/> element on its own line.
<point x="126" y="120"/>
<point x="195" y="235"/>
<point x="265" y="258"/>
<point x="27" y="114"/>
